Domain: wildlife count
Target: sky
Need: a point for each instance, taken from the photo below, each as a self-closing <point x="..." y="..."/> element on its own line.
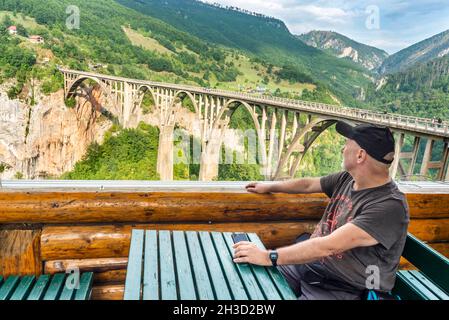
<point x="390" y="25"/>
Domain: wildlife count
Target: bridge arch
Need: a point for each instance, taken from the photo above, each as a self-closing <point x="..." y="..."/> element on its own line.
<point x="227" y="112"/>
<point x="141" y="91"/>
<point x="178" y="95"/>
<point x="317" y="126"/>
<point x="77" y="82"/>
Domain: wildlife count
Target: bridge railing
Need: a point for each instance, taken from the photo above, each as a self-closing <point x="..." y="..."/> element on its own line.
<point x="379" y="117"/>
<point x="388" y="119"/>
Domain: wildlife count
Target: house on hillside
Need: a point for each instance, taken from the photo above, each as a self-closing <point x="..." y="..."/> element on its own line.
<point x="12" y="30"/>
<point x="36" y="39"/>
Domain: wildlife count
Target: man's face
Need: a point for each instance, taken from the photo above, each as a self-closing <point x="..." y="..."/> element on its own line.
<point x="350" y="150"/>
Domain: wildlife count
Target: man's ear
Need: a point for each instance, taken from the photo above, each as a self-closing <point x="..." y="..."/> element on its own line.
<point x="361" y="155"/>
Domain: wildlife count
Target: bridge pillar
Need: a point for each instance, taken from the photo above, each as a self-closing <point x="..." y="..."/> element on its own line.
<point x="426" y="157"/>
<point x="414" y="156"/>
<point x="397" y="156"/>
<point x="128" y="103"/>
<point x="210" y="156"/>
<point x="444" y="161"/>
<point x="440" y="165"/>
<point x="165" y="153"/>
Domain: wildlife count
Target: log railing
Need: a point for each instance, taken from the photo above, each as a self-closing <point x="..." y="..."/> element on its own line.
<point x="50" y="231"/>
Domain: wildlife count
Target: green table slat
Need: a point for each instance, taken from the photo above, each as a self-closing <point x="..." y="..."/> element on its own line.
<point x="419" y="288"/>
<point x="203" y="283"/>
<point x="1" y="281"/>
<point x="8" y="287"/>
<point x="168" y="280"/>
<point x="186" y="284"/>
<point x="85" y="288"/>
<point x="134" y="269"/>
<point x="24" y="288"/>
<point x="245" y="272"/>
<point x="229" y="268"/>
<point x="430" y="285"/>
<point x="263" y="278"/>
<point x="218" y="279"/>
<point x="274" y="284"/>
<point x="150" y="270"/>
<point x="282" y="284"/>
<point x="39" y="288"/>
<point x="55" y="288"/>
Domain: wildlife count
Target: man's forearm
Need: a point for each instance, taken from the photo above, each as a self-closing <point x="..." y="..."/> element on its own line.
<point x="292" y="186"/>
<point x="305" y="252"/>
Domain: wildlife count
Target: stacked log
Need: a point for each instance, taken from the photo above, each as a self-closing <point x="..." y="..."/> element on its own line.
<point x="91" y="231"/>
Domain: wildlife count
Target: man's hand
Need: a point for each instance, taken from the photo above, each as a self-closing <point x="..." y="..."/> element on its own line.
<point x="256" y="187"/>
<point x="248" y="252"/>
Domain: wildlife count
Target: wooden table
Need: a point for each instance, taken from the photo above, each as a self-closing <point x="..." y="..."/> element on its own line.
<point x="190" y="265"/>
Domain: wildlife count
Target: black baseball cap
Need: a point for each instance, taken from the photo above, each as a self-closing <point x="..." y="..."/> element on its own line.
<point x="377" y="141"/>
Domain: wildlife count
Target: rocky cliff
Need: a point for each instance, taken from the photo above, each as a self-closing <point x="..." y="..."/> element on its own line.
<point x="343" y="47"/>
<point x="48" y="138"/>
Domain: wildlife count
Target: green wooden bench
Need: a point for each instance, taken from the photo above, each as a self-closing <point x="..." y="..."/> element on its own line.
<point x="166" y="265"/>
<point x="46" y="287"/>
<point x="431" y="282"/>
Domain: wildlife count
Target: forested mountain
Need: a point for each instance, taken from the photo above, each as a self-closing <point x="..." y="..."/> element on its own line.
<point x="101" y="38"/>
<point x="266" y="37"/>
<point x="187" y="41"/>
<point x="421" y="52"/>
<point x="343" y="47"/>
<point x="118" y="40"/>
<point x="422" y="90"/>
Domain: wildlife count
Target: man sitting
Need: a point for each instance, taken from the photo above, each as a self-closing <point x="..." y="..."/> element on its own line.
<point x="358" y="243"/>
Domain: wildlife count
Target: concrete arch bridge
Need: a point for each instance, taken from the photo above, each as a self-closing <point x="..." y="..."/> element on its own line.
<point x="284" y="129"/>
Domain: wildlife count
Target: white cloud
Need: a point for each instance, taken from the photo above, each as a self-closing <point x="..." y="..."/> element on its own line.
<point x="402" y="22"/>
<point x="321" y="12"/>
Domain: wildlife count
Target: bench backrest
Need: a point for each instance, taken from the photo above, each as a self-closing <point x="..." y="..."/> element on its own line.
<point x="429" y="261"/>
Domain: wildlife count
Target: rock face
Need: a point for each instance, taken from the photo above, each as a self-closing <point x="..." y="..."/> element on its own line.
<point x="342" y="47"/>
<point x="47" y="139"/>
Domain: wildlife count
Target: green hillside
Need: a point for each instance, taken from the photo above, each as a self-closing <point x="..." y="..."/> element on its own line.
<point x="130" y="44"/>
<point x="267" y="38"/>
<point x="125" y="42"/>
<point x="421" y="52"/>
<point x="421" y="91"/>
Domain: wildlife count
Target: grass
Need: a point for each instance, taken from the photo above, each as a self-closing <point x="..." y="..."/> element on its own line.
<point x="27" y="22"/>
<point x="253" y="75"/>
<point x="147" y="43"/>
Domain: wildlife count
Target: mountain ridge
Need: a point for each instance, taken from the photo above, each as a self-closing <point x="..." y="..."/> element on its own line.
<point x="426" y="50"/>
<point x="344" y="47"/>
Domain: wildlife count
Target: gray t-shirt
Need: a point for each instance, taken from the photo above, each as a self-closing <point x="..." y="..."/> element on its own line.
<point x="382" y="212"/>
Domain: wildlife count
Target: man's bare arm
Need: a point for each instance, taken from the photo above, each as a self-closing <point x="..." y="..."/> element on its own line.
<point x="305" y="185"/>
<point x="344" y="238"/>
